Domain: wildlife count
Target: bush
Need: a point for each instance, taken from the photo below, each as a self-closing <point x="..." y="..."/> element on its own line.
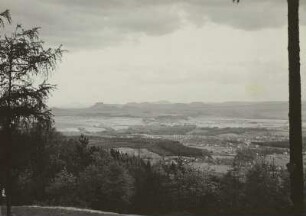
<point x="266" y="189"/>
<point x="62" y="189"/>
<point x="105" y="185"/>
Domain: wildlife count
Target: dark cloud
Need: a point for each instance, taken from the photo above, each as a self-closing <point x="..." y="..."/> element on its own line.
<point x="101" y="23"/>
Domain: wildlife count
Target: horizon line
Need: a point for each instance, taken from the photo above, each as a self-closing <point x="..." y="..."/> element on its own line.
<point x="162" y="102"/>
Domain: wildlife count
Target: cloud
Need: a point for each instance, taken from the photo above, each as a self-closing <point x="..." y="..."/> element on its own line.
<point x="94" y="24"/>
<point x="213" y="63"/>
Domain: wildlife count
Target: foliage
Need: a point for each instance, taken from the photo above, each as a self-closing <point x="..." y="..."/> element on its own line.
<point x="81" y="175"/>
<point x="263" y="182"/>
<point x="62" y="188"/>
<point x="23" y="57"/>
<point x="5" y="15"/>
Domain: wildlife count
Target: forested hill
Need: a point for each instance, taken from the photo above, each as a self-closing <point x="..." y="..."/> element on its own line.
<point x="251" y="110"/>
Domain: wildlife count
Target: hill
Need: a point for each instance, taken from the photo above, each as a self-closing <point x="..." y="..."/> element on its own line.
<point x="250" y="110"/>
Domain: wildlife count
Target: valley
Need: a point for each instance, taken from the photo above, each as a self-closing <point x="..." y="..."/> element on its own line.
<point x="166" y="131"/>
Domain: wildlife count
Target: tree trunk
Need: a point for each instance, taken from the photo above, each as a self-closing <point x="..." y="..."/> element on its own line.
<point x="7" y="167"/>
<point x="8" y="186"/>
<point x="295" y="116"/>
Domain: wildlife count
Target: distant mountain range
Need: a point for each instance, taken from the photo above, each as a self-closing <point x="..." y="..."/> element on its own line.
<point x="251" y="110"/>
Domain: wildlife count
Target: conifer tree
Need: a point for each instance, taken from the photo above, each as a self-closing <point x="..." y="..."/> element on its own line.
<point x="24" y="67"/>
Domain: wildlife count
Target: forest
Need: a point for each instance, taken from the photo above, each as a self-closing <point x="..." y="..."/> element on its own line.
<point x="53" y="170"/>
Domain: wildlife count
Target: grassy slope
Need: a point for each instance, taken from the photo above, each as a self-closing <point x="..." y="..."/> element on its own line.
<point x="58" y="211"/>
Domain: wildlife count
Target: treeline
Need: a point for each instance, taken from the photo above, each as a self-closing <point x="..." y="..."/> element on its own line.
<point x="51" y="169"/>
<point x="162" y="147"/>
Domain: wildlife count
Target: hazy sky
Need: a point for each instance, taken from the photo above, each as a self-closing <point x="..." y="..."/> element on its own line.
<point x="177" y="50"/>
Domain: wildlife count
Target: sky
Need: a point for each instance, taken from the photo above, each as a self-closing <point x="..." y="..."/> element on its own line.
<point x="122" y="51"/>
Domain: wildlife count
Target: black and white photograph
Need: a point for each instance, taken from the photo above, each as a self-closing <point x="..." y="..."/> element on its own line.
<point x="152" y="107"/>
